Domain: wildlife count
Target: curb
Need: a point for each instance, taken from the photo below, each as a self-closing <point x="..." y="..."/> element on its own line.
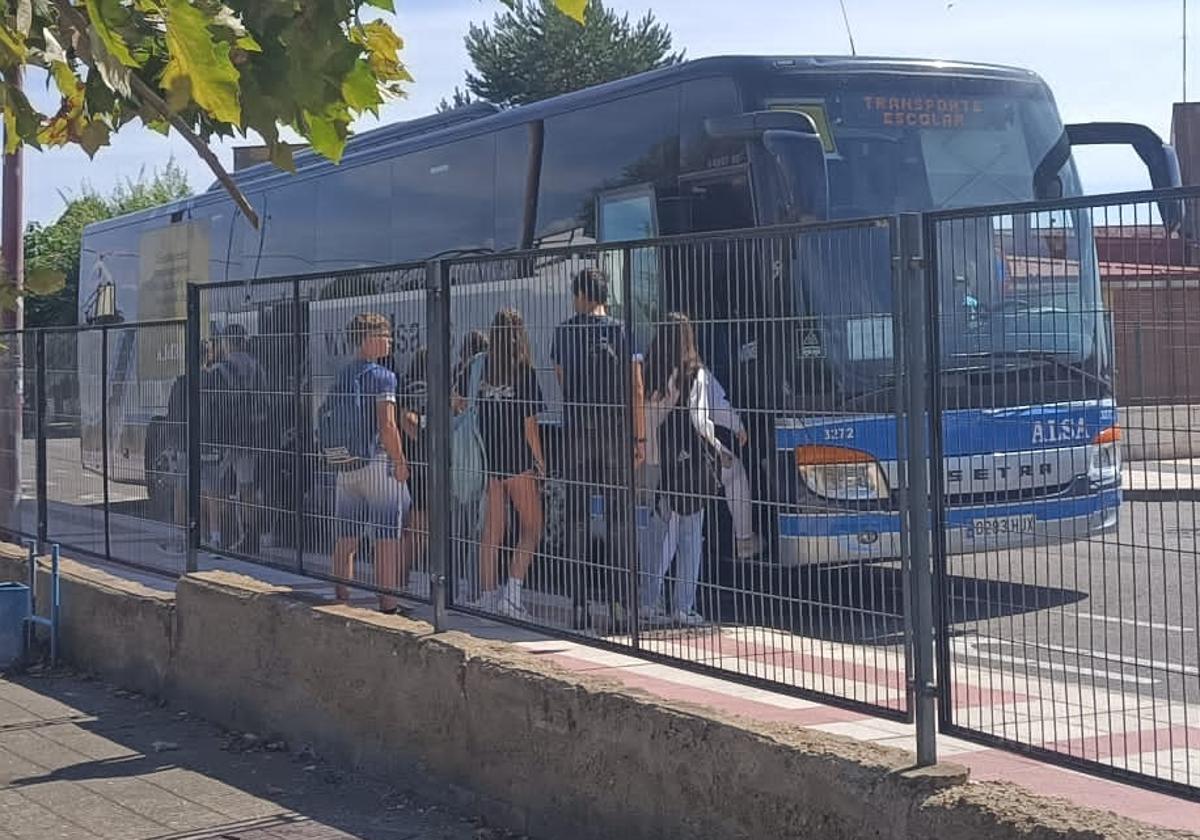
<point x="1186" y="494"/>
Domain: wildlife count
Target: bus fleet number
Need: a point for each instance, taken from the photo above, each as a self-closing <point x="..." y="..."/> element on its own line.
<point x="839" y="433"/>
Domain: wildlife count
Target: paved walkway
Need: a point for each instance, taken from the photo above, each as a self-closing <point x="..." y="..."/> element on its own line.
<point x="757" y="652"/>
<point x="1163" y="478"/>
<point x="82" y="761"/>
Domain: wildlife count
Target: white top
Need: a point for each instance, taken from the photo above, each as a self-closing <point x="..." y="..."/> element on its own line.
<point x="709" y="407"/>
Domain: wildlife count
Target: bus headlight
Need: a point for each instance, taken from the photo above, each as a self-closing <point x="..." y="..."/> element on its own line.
<point x="836" y="472"/>
<point x="1105" y="466"/>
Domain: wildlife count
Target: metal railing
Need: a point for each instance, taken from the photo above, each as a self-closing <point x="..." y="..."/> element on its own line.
<point x="546" y="500"/>
<point x="726" y="468"/>
<point x="1067" y="572"/>
<point x="102" y="458"/>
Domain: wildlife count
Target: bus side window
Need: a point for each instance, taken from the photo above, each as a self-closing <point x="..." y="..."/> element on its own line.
<point x="718" y="203"/>
<point x="624" y="216"/>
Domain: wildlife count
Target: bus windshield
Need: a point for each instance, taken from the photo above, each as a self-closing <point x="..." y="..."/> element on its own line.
<point x="910" y="144"/>
<point x="1016" y="292"/>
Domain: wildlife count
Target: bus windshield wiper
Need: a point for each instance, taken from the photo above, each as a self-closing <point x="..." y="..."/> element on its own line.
<point x="1035" y="356"/>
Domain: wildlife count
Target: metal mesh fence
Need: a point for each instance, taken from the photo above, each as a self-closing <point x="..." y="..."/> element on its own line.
<point x="652" y="444"/>
<point x="708" y="450"/>
<point x="1065" y="368"/>
<point x="321" y="406"/>
<point x="18" y="458"/>
<point x="274" y="488"/>
<point x="75" y="452"/>
<point x="114" y="451"/>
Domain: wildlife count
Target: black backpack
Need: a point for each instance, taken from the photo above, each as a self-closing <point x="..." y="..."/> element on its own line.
<point x="234" y="406"/>
<point x="691" y="470"/>
<point x="602" y="365"/>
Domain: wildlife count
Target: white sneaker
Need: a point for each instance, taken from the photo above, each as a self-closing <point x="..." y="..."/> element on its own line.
<point x="487" y="602"/>
<point x="748" y="547"/>
<point x="691" y="618"/>
<point x="509" y="608"/>
<point x="654" y="616"/>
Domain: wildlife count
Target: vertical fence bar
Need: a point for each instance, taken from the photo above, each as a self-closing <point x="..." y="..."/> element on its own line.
<point x="104" y="442"/>
<point x="942" y="608"/>
<point x="914" y="328"/>
<point x="903" y="421"/>
<point x="192" y="355"/>
<point x="298" y="421"/>
<point x="437" y="319"/>
<point x="43" y="518"/>
<point x="630" y="497"/>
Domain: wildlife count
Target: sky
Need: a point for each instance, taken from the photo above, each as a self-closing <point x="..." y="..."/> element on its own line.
<point x="1104" y="60"/>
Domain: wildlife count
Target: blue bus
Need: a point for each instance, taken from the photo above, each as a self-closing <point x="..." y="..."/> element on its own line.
<point x="722" y="144"/>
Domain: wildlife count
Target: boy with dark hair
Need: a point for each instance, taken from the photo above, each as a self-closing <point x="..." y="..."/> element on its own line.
<point x="601" y="382"/>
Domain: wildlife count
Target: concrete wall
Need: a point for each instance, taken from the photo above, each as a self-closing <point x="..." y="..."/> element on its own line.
<point x="537" y="749"/>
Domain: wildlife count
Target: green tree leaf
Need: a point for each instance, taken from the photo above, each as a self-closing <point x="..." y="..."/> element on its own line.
<point x="361" y="89"/>
<point x="573" y="9"/>
<point x="106" y="16"/>
<point x="93" y="136"/>
<point x="12" y="47"/>
<point x="199" y="64"/>
<point x="21" y="122"/>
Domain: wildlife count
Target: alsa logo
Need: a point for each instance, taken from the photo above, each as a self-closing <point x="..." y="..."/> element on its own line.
<point x="1059" y="431"/>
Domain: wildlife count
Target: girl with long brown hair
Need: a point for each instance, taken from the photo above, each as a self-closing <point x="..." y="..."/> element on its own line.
<point x="509" y="402"/>
<point x="686" y="463"/>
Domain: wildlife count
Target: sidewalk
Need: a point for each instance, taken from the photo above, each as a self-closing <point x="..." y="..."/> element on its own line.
<point x="667" y="682"/>
<point x="1177" y="480"/>
<point x="80" y="760"/>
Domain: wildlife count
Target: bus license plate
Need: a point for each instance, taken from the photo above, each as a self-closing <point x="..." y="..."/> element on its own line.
<point x="1002" y="526"/>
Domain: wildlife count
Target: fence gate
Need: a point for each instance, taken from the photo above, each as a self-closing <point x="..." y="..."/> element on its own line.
<point x="1064" y="340"/>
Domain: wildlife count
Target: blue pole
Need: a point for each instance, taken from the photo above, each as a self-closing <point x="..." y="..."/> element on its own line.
<point x="31" y="601"/>
<point x="54" y="604"/>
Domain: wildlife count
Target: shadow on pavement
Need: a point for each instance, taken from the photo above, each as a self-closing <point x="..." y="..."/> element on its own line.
<point x="127" y="756"/>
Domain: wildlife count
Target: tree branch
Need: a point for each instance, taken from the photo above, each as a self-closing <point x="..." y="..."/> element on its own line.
<point x="151" y="98"/>
<point x="79" y="24"/>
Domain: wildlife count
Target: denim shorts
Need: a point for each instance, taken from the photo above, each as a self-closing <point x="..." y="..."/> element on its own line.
<point x="370" y="499"/>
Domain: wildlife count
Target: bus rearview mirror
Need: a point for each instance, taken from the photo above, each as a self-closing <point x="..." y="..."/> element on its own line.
<point x="1159" y="158"/>
<point x="800" y="161"/>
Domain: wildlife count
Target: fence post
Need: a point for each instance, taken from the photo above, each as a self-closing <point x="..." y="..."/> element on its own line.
<point x="633" y="606"/>
<point x="298" y="422"/>
<point x="192" y="354"/>
<point x="438" y="419"/>
<point x="43" y="518"/>
<point x="104" y="440"/>
<point x="914" y="327"/>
